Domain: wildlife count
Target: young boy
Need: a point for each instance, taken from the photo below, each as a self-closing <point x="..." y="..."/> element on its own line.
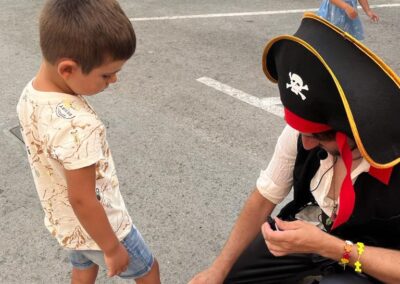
<point x="84" y="44"/>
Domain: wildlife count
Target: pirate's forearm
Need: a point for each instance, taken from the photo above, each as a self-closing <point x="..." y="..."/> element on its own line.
<point x="380" y="263"/>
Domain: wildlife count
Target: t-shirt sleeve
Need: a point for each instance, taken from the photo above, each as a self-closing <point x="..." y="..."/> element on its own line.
<point x="275" y="182"/>
<point x="78" y="142"/>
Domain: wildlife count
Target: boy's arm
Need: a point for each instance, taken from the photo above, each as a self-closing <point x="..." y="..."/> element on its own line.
<point x="81" y="185"/>
<point x="365" y="5"/>
<point x="350" y="11"/>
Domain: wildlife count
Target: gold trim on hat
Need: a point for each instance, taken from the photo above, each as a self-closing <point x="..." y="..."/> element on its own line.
<point x="360" y="45"/>
<point x="349" y="114"/>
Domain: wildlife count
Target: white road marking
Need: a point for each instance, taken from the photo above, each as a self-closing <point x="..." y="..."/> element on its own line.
<point x="272" y="104"/>
<point x="259" y="13"/>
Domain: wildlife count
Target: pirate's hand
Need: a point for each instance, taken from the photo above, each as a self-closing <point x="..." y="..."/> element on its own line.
<point x="351" y="12"/>
<point x="209" y="276"/>
<point x="293" y="237"/>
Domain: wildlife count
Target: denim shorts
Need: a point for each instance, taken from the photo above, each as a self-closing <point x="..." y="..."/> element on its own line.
<point x="140" y="257"/>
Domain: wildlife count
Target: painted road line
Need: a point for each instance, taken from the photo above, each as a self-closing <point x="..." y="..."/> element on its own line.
<point x="259" y="13"/>
<point x="272" y="104"/>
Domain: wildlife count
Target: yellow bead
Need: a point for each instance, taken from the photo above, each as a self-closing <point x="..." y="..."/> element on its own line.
<point x="357" y="264"/>
<point x="360" y="248"/>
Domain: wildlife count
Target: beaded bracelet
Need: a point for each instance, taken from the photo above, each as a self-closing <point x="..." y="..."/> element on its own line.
<point x="346" y="254"/>
<point x="360" y="250"/>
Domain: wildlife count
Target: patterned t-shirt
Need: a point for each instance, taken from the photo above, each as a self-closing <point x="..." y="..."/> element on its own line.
<point x="62" y="131"/>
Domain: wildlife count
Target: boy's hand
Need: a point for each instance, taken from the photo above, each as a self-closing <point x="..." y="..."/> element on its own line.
<point x="116" y="261"/>
<point x="351" y="12"/>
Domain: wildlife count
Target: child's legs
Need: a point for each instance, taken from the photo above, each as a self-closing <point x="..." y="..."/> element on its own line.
<point x="84" y="276"/>
<point x="153" y="277"/>
<point x="142" y="265"/>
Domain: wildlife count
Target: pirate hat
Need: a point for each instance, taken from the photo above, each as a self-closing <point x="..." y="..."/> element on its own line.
<point x="329" y="80"/>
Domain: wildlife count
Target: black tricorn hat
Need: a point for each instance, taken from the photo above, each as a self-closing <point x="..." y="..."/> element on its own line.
<point x="329" y="80"/>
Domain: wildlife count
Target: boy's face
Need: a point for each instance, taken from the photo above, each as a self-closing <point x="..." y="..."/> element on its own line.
<point x="96" y="80"/>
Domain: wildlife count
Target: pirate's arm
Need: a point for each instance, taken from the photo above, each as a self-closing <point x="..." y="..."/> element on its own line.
<point x="244" y="231"/>
<point x="303" y="237"/>
<point x="380" y="263"/>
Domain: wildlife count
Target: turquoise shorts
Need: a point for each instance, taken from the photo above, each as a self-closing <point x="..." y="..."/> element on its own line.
<point x="140" y="257"/>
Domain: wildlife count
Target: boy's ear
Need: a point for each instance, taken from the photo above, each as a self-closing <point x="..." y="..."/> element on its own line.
<point x="67" y="67"/>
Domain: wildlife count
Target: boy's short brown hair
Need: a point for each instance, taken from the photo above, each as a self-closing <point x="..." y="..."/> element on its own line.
<point x="86" y="31"/>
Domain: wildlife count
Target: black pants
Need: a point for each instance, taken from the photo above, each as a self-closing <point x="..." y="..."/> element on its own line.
<point x="258" y="265"/>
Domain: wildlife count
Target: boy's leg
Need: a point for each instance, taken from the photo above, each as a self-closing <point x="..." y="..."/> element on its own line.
<point x="84" y="270"/>
<point x="84" y="276"/>
<point x="142" y="265"/>
<point x="153" y="277"/>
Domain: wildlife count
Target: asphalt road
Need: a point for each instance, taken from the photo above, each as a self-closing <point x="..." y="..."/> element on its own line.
<point x="187" y="154"/>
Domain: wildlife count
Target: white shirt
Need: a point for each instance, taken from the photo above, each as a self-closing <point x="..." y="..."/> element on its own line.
<point x="275" y="182"/>
<point x="62" y="131"/>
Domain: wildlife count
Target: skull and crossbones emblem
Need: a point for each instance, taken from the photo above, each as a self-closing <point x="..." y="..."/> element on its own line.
<point x="297" y="85"/>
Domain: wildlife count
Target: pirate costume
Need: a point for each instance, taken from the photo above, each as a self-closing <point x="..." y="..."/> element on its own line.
<point x="330" y="81"/>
